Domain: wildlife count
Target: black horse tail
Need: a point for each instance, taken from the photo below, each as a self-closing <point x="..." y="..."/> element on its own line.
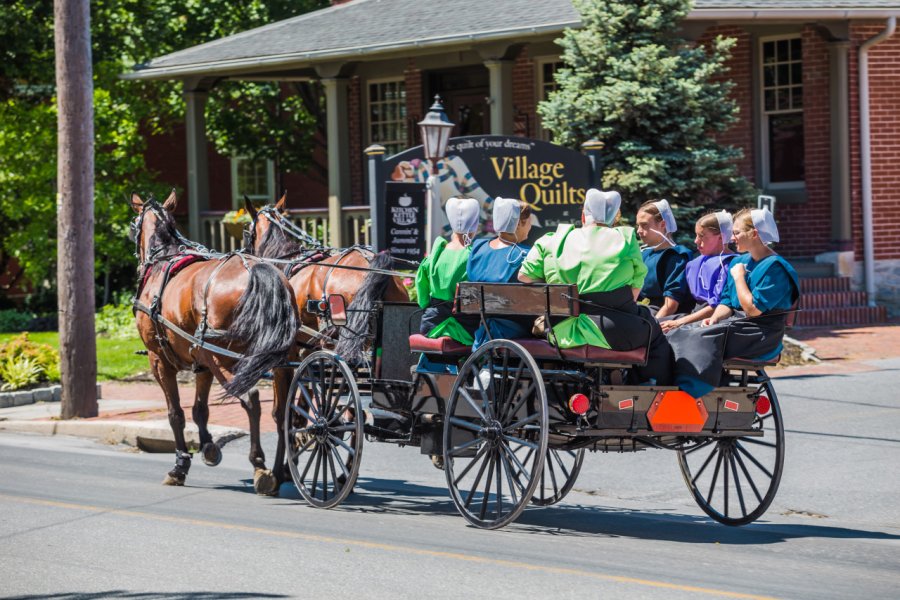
<point x="357" y="333"/>
<point x="266" y="321"/>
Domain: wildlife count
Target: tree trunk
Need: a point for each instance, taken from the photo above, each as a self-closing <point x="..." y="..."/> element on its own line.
<point x="75" y="206"/>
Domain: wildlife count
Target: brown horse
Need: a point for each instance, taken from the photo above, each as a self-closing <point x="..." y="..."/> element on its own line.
<point x="318" y="274"/>
<point x="234" y="301"/>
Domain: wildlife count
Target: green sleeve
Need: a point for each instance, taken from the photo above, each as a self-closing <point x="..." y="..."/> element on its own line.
<point x="423" y="285"/>
<point x="634" y="255"/>
<point x="533" y="265"/>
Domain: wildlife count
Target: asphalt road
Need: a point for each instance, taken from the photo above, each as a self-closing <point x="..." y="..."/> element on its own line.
<point x="83" y="520"/>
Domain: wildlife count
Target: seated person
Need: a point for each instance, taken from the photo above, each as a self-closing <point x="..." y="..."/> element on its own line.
<point x="706" y="274"/>
<point x="664" y="287"/>
<point x="442" y="269"/>
<point x="604" y="262"/>
<point x="498" y="260"/>
<point x="762" y="286"/>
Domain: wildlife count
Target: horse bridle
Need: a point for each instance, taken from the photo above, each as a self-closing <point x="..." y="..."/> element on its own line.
<point x="286" y="226"/>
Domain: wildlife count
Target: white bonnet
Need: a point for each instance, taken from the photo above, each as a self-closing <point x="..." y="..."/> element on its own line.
<point x="601" y="207"/>
<point x="506" y="214"/>
<point x="726" y="225"/>
<point x="665" y="211"/>
<point x="463" y="214"/>
<point x="764" y="222"/>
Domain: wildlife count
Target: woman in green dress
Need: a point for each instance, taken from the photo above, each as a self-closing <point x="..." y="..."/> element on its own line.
<point x="442" y="269"/>
<point x="604" y="261"/>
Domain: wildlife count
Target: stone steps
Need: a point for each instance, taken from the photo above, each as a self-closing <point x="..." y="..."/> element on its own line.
<point x="829" y="301"/>
<point x="848" y="315"/>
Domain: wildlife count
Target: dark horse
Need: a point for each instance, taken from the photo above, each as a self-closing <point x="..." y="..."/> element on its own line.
<point x="232" y="301"/>
<point x="317" y="275"/>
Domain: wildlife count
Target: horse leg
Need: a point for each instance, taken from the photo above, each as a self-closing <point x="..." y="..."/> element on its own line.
<point x="264" y="481"/>
<point x="165" y="375"/>
<point x="209" y="451"/>
<point x="280" y="384"/>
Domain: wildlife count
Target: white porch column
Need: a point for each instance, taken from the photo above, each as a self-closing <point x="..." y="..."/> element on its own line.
<point x="338" y="143"/>
<point x="500" y="72"/>
<point x="198" y="167"/>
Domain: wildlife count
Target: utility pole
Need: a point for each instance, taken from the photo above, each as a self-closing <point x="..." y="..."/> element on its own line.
<point x="75" y="208"/>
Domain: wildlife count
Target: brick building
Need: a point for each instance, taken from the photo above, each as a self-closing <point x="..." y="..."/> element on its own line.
<point x="798" y="84"/>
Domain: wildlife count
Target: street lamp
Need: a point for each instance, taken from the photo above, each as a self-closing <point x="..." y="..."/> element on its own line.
<point x="435" y="129"/>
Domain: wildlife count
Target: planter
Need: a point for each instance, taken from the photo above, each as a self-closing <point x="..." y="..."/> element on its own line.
<point x="236" y="230"/>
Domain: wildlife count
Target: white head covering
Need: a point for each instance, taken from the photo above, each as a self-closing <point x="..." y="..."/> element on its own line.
<point x="463" y="214"/>
<point x="506" y="214"/>
<point x="601" y="207"/>
<point x="665" y="211"/>
<point x="726" y="225"/>
<point x="764" y="222"/>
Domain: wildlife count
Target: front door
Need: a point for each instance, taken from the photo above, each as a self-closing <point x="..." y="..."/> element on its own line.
<point x="465" y="92"/>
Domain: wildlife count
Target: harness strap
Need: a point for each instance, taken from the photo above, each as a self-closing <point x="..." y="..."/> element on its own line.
<point x="159" y="319"/>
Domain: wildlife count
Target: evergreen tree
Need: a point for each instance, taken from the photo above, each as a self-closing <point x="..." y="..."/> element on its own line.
<point x="655" y="100"/>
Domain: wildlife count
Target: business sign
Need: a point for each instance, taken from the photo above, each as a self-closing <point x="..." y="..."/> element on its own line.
<point x="404" y="220"/>
<point x="552" y="179"/>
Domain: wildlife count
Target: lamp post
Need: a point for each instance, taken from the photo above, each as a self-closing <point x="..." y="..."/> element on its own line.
<point x="435" y="129"/>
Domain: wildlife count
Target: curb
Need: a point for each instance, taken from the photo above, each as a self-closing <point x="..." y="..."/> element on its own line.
<point x="121" y="432"/>
<point x="52" y="393"/>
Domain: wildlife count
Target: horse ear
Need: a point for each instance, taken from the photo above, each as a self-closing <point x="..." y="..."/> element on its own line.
<point x="171" y="202"/>
<point x="281" y="205"/>
<point x="136" y="203"/>
<point x="250" y="208"/>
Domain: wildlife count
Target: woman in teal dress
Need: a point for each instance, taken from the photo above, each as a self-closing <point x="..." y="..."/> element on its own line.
<point x="604" y="262"/>
<point x="664" y="287"/>
<point x="442" y="269"/>
<point x="497" y="260"/>
<point x="749" y="321"/>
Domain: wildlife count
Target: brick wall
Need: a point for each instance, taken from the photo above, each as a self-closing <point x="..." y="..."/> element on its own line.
<point x="809" y="223"/>
<point x="884" y="116"/>
<point x="524" y="95"/>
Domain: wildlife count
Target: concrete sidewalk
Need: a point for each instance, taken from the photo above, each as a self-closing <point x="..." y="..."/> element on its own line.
<point x="139" y="409"/>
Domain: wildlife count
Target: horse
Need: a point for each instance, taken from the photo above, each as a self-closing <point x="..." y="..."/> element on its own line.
<point x="235" y="301"/>
<point x="317" y="274"/>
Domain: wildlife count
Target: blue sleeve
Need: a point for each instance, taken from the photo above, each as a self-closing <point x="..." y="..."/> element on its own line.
<point x="718" y="288"/>
<point x="773" y="290"/>
<point x="676" y="283"/>
<point x="729" y="294"/>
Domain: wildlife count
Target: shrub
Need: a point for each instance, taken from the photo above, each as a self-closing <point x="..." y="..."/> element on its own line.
<point x="13" y="321"/>
<point x="19" y="355"/>
<point x="116" y="321"/>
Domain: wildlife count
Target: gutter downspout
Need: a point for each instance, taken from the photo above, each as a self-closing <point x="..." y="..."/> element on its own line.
<point x="866" y="156"/>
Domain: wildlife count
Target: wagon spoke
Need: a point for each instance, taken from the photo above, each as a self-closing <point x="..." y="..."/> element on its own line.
<point x="315" y="478"/>
<point x="523" y="398"/>
<point x="559" y="460"/>
<point x="486" y="412"/>
<point x="457" y="449"/>
<point x="753" y="460"/>
<point x="507" y="402"/>
<point x="725" y="475"/>
<point x="509" y="478"/>
<point x="523" y="422"/>
<point x="487" y="486"/>
<point x="326" y="457"/>
<point x="700" y="446"/>
<point x="705" y="464"/>
<point x="521" y="468"/>
<point x="505" y="367"/>
<point x="309" y="402"/>
<point x="549" y="464"/>
<point x="749" y="440"/>
<point x="477" y="481"/>
<point x="471" y="402"/>
<point x="342" y="443"/>
<point x="299" y="410"/>
<point x="740" y="462"/>
<point x="313" y="456"/>
<point x="340" y="461"/>
<point x="521" y="442"/>
<point x="499" y="468"/>
<point x="471" y="464"/>
<point x="465" y="424"/>
<point x="737" y="484"/>
<point x="715" y="477"/>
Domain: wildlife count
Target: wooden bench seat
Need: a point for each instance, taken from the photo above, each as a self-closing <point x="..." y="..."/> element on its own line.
<point x="445" y="346"/>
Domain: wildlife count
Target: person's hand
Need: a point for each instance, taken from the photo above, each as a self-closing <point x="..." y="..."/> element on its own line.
<point x="738" y="271"/>
<point x="708" y="322"/>
<point x="669" y="325"/>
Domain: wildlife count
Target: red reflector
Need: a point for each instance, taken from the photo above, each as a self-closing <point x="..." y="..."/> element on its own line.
<point x="763" y="405"/>
<point x="624" y="404"/>
<point x="323" y="306"/>
<point x="579" y="404"/>
<point x="732" y="405"/>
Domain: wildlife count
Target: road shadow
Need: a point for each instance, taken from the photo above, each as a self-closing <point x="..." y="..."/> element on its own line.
<point x="147" y="595"/>
<point x="569" y="520"/>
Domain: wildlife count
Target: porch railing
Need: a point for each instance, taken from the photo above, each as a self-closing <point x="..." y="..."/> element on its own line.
<point x="357" y="224"/>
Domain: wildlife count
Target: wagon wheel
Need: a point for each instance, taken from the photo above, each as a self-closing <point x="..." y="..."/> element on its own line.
<point x="497" y="407"/>
<point x="324" y="429"/>
<point x="561" y="469"/>
<point x="734" y="480"/>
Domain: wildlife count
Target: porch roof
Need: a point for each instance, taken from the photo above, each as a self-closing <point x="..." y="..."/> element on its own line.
<point x="366" y="29"/>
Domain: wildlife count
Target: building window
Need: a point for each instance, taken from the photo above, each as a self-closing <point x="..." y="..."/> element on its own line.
<point x="546" y="84"/>
<point x="782" y="112"/>
<point x="253" y="178"/>
<point x="387" y="114"/>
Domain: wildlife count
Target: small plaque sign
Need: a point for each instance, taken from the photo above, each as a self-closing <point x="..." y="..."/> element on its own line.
<point x="404" y="220"/>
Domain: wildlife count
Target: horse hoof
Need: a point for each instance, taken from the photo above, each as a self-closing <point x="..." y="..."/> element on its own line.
<point x="173" y="480"/>
<point x="265" y="483"/>
<point x="211" y="454"/>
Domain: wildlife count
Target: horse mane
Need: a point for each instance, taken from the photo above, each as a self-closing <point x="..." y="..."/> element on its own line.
<point x="276" y="244"/>
<point x="354" y="337"/>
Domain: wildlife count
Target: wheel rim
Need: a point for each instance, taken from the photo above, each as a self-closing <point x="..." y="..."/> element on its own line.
<point x="734" y="480"/>
<point x="561" y="469"/>
<point x="496" y="412"/>
<point x="324" y="429"/>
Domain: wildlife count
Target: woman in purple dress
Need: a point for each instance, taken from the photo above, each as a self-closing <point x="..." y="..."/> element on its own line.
<point x="706" y="274"/>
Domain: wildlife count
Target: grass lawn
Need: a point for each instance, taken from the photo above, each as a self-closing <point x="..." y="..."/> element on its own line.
<point x="115" y="357"/>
